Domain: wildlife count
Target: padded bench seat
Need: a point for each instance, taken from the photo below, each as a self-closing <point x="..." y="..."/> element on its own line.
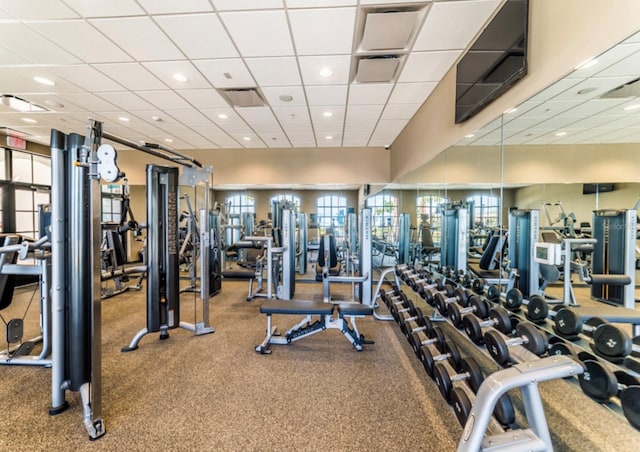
<point x="296" y="307"/>
<point x="346" y="309"/>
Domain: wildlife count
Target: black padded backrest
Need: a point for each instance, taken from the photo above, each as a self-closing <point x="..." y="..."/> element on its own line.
<point x="114" y="242"/>
<point x="427" y="237"/>
<point x="7" y="282"/>
<point x="489" y="252"/>
<point x="333" y="256"/>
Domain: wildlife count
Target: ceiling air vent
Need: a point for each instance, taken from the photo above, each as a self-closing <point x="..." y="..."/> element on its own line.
<point x="629" y="89"/>
<point x="388" y="30"/>
<point x="376" y="69"/>
<point x="243" y="97"/>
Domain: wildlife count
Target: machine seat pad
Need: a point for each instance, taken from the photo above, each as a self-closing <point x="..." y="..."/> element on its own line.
<point x="354" y="309"/>
<point x="239" y="274"/>
<point x="296" y="307"/>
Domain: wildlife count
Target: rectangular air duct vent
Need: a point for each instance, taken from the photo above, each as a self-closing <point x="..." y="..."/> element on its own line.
<point x="388" y="30"/>
<point x="378" y="69"/>
<point x="243" y="97"/>
<point x="629" y="89"/>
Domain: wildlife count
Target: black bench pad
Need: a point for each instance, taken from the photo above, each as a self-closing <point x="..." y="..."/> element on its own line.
<point x="296" y="307"/>
<point x="354" y="309"/>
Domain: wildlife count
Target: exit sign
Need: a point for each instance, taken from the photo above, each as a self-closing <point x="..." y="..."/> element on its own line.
<point x="16" y="143"/>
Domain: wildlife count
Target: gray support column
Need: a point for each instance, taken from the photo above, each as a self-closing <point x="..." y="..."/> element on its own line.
<point x="365" y="255"/>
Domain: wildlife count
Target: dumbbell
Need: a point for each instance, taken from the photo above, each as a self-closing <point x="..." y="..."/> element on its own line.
<point x="477" y="285"/>
<point x="442" y="302"/>
<point x="434" y="337"/>
<point x="568" y="324"/>
<point x="424" y="324"/>
<point x="469" y="371"/>
<point x="449" y="352"/>
<point x="493" y="293"/>
<point x="498" y="318"/>
<point x="398" y="299"/>
<point x="612" y="343"/>
<point x="475" y="305"/>
<point x="399" y="308"/>
<point x="503" y="413"/>
<point x="527" y="335"/>
<point x="537" y="307"/>
<point x="429" y="284"/>
<point x="429" y="295"/>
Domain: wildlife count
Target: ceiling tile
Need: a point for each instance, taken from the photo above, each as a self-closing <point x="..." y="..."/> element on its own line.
<point x="140" y="37"/>
<point x="410" y="93"/>
<point x="626" y="67"/>
<point x="198" y="36"/>
<point x="378" y="2"/>
<point x="24" y="42"/>
<point x="18" y="80"/>
<point x="85" y="48"/>
<point x="224" y="5"/>
<point x="310" y="29"/>
<point x="203" y="98"/>
<point x="253" y="140"/>
<point x="259" y="33"/>
<point x="90" y="102"/>
<point x="590" y="108"/>
<point x="173" y="7"/>
<point x="310" y="67"/>
<point x="199" y="142"/>
<point x="259" y="116"/>
<point x="303" y="140"/>
<point x="328" y="140"/>
<point x="298" y="128"/>
<point x="272" y="95"/>
<point x="370" y="93"/>
<point x="165" y="70"/>
<point x="132" y="76"/>
<point x="281" y="71"/>
<point x="293" y="117"/>
<point x="86" y="77"/>
<point x="606" y="59"/>
<point x="326" y="95"/>
<point x="364" y="112"/>
<point x="427" y="66"/>
<point x="214" y="70"/>
<point x="164" y="99"/>
<point x="214" y="115"/>
<point x="275" y="140"/>
<point x="225" y="142"/>
<point x="336" y="119"/>
<point x="551" y="108"/>
<point x="319" y="3"/>
<point x="8" y="58"/>
<point x="555" y="89"/>
<point x="598" y="85"/>
<point x="38" y="9"/>
<point x="400" y="111"/>
<point x="189" y="116"/>
<point x="469" y="17"/>
<point x="88" y="8"/>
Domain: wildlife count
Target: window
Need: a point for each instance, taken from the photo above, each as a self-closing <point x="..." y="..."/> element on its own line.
<point x="428" y="212"/>
<point x="239" y="204"/>
<point x="332" y="213"/>
<point x="485" y="211"/>
<point x="27" y="202"/>
<point x="3" y="165"/>
<point x="111" y="203"/>
<point x="293" y="199"/>
<point x="384" y="213"/>
<point x="22" y="167"/>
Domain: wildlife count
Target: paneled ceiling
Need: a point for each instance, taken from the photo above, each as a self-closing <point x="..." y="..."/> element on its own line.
<point x="153" y="70"/>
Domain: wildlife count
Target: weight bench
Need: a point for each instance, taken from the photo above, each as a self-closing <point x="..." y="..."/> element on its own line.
<point x="347" y="313"/>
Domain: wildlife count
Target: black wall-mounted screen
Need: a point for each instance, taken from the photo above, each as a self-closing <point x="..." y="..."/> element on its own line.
<point x="590" y="189"/>
<point x="495" y="61"/>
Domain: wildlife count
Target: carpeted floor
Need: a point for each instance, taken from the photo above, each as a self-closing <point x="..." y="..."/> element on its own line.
<point x="215" y="392"/>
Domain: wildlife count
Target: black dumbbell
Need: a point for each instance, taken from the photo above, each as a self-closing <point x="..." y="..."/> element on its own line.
<point x="568" y="324"/>
<point x="429" y="295"/>
<point x="493" y="293"/>
<point x="400" y="308"/>
<point x="403" y="269"/>
<point x="434" y="337"/>
<point x="537" y="307"/>
<point x="612" y="343"/>
<point x="528" y="336"/>
<point x="475" y="305"/>
<point x="449" y="351"/>
<point x="442" y="303"/>
<point x="477" y="285"/>
<point x="498" y="318"/>
<point x="504" y="413"/>
<point x="429" y="284"/>
<point x="469" y="371"/>
<point x="418" y="317"/>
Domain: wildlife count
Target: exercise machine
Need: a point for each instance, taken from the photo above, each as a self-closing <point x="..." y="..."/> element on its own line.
<point x="524" y="227"/>
<point x="455" y="236"/>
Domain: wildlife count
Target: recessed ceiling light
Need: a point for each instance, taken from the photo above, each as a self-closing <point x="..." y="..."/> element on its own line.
<point x="586" y="90"/>
<point x="631" y="107"/>
<point x="178" y="77"/>
<point x="44" y="81"/>
<point x="511" y="110"/>
<point x="223" y="116"/>
<point x="328" y="137"/>
<point x="246" y="138"/>
<point x="469" y="135"/>
<point x="168" y="140"/>
<point x="123" y="119"/>
<point x="156" y="118"/>
<point x="327" y="114"/>
<point x="30" y="120"/>
<point x="325" y="72"/>
<point x="561" y="134"/>
<point x="587" y="64"/>
<point x="285" y="98"/>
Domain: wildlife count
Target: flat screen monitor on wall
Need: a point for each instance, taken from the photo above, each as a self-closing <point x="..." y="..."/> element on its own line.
<point x="495" y="61"/>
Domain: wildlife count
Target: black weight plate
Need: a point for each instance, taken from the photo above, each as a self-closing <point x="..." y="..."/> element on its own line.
<point x="428" y="297"/>
<point x="513" y="299"/>
<point x="560" y="348"/>
<point x="496" y="346"/>
<point x="415" y="340"/>
<point x="536" y="341"/>
<point x="438" y="336"/>
<point x="455" y="315"/>
<point x="470" y="366"/>
<point x="441" y="303"/>
<point x="481" y="309"/>
<point x="472" y="328"/>
<point x="424" y="322"/>
<point x="537" y="309"/>
<point x="501" y="317"/>
<point x="454" y="358"/>
<point x="443" y="380"/>
<point x="612" y="341"/>
<point x="597" y="381"/>
<point x="461" y="405"/>
<point x="630" y="400"/>
<point x="594" y="322"/>
<point x="493" y="293"/>
<point x="461" y="295"/>
<point x="626" y="379"/>
<point x="515" y="321"/>
<point x="478" y="285"/>
<point x="504" y="412"/>
<point x="466" y="280"/>
<point x="439" y="283"/>
<point x="567" y="322"/>
<point x="427" y="360"/>
<point x="448" y="290"/>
